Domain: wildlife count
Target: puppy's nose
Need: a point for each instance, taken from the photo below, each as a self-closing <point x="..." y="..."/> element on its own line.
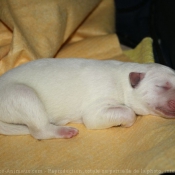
<point x="171" y="104"/>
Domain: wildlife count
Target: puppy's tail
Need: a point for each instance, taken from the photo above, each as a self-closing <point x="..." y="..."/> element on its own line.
<point x="13" y="129"/>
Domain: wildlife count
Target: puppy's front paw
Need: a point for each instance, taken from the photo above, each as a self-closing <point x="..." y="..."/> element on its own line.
<point x="129" y="118"/>
<point x="67" y="132"/>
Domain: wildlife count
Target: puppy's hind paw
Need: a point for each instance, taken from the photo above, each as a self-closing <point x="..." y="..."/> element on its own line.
<point x="67" y="132"/>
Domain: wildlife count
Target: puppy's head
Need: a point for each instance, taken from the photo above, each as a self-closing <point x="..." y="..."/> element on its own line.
<point x="154" y="91"/>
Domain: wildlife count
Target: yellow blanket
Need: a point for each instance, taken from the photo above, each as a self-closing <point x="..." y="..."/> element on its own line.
<point x="32" y="30"/>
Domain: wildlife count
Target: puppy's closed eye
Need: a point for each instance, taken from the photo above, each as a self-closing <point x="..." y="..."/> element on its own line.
<point x="165" y="86"/>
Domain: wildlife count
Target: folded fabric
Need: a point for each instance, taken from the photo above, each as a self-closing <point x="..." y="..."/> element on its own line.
<point x="32" y="30"/>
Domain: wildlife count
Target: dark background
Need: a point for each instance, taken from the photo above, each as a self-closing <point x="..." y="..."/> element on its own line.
<point x="138" y="19"/>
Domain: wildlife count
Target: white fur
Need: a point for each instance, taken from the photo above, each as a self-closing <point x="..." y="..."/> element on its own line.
<point x="40" y="96"/>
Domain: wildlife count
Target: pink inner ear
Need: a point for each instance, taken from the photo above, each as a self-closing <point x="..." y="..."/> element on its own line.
<point x="135" y="78"/>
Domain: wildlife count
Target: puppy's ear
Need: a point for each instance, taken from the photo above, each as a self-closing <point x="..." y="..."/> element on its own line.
<point x="135" y="78"/>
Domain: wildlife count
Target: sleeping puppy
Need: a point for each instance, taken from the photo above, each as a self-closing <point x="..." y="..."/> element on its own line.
<point x="39" y="97"/>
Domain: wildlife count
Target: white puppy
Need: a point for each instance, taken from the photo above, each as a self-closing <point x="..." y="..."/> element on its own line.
<point x="39" y="97"/>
